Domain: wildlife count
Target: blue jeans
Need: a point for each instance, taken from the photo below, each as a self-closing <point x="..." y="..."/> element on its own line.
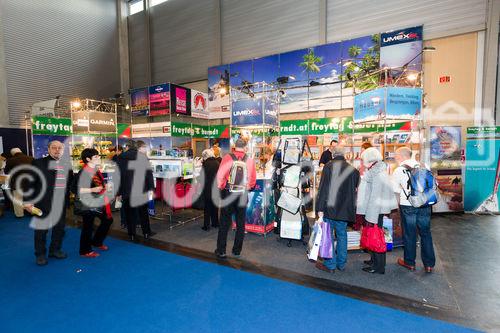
<point x="339" y="254"/>
<point x="417" y="219"/>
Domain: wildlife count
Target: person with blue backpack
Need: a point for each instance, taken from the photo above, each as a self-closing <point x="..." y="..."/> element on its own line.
<point x="415" y="187"/>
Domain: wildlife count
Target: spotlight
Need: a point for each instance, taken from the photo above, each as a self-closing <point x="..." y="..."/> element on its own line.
<point x="76" y="104"/>
<point x="222" y="91"/>
<point x="291" y="77"/>
<point x="412" y="77"/>
<point x="314" y="83"/>
<point x="282" y="92"/>
<point x="127" y="107"/>
<point x="429" y="48"/>
<point x="282" y="79"/>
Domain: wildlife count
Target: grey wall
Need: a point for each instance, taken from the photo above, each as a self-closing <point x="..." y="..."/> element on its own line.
<point x="188" y="36"/>
<point x="55" y="47"/>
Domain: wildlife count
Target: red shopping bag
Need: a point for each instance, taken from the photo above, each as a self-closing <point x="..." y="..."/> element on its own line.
<point x="373" y="239"/>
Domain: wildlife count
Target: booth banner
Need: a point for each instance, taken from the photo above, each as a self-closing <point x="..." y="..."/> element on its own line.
<point x="219" y="131"/>
<point x="103" y="122"/>
<point x="271" y="110"/>
<point x="482" y="170"/>
<point x="124" y="130"/>
<point x="41" y="142"/>
<point x="403" y="103"/>
<point x="51" y="126"/>
<point x="80" y="121"/>
<point x="162" y="129"/>
<point x="141" y="130"/>
<point x="199" y="104"/>
<point x="218" y="88"/>
<point x="180" y="97"/>
<point x="294" y="127"/>
<point x="45" y="108"/>
<point x="182" y="129"/>
<point x="446" y="142"/>
<point x="324" y="126"/>
<point x="450" y="191"/>
<point x="369" y="106"/>
<point x="159" y="99"/>
<point x="246" y="112"/>
<point x="139" y="102"/>
<point x="402" y="47"/>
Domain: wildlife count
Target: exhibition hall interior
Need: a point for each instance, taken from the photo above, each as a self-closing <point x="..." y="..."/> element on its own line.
<point x="249" y="166"/>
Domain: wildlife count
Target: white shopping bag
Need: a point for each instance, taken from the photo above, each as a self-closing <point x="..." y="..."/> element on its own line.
<point x="314" y="242"/>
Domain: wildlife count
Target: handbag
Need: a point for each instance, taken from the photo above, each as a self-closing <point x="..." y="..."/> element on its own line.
<point x="325" y="248"/>
<point x="373" y="239"/>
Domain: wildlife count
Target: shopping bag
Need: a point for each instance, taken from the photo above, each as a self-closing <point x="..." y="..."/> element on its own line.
<point x="373" y="239"/>
<point x="314" y="242"/>
<point x="325" y="248"/>
<point x="151" y="205"/>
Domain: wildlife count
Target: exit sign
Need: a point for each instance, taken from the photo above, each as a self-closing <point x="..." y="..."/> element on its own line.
<point x="444" y="79"/>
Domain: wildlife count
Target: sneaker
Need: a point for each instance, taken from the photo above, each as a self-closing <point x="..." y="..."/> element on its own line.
<point x="236" y="254"/>
<point x="102" y="247"/>
<point x="59" y="254"/>
<point x="220" y="255"/>
<point x="92" y="254"/>
<point x="41" y="261"/>
<point x="429" y="269"/>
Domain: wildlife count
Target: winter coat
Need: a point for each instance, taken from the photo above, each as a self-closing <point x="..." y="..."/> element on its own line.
<point x="375" y="193"/>
<point x="127" y="175"/>
<point x="337" y="190"/>
<point x="210" y="168"/>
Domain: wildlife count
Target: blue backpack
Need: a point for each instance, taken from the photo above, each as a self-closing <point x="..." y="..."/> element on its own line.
<point x="422" y="185"/>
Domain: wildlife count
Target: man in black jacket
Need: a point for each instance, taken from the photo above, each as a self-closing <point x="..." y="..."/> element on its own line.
<point x="209" y="170"/>
<point x="136" y="183"/>
<point x="335" y="205"/>
<point x="14" y="163"/>
<point x="53" y="199"/>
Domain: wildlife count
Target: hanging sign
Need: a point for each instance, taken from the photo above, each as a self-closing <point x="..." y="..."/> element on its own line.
<point x="139" y="102"/>
<point x="369" y="106"/>
<point x="246" y="112"/>
<point x="51" y="126"/>
<point x="159" y="100"/>
<point x="199" y="104"/>
<point x="271" y="108"/>
<point x="180" y="97"/>
<point x="80" y="121"/>
<point x="104" y="122"/>
<point x="181" y="129"/>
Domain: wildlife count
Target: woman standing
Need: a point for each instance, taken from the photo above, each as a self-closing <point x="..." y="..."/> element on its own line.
<point x="375" y="199"/>
<point x="210" y="168"/>
<point x="91" y="201"/>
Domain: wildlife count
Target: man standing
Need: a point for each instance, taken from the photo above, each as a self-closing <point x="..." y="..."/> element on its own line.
<point x="327" y="154"/>
<point x="235" y="177"/>
<point x="134" y="192"/>
<point x="17" y="159"/>
<point x="413" y="218"/>
<point x="54" y="199"/>
<point x="336" y="205"/>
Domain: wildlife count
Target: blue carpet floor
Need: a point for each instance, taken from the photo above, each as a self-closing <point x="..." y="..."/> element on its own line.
<point x="133" y="288"/>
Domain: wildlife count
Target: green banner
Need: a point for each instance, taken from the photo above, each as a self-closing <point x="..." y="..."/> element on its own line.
<point x="294" y="127"/>
<point x="483" y="132"/>
<point x="324" y="126"/>
<point x="182" y="129"/>
<point x="51" y="126"/>
<point x="219" y="131"/>
<point x="200" y="131"/>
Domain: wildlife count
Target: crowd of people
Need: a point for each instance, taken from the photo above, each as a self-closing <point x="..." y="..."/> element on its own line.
<point x="346" y="195"/>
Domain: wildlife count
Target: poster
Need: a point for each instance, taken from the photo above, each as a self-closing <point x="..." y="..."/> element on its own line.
<point x="139" y="102"/>
<point x="218" y="88"/>
<point x="246" y="112"/>
<point x="80" y="121"/>
<point x="180" y="97"/>
<point x="450" y="191"/>
<point x="402" y="47"/>
<point x="482" y="170"/>
<point x="271" y="109"/>
<point x="199" y="104"/>
<point x="41" y="143"/>
<point x="369" y="106"/>
<point x="159" y="100"/>
<point x="446" y="142"/>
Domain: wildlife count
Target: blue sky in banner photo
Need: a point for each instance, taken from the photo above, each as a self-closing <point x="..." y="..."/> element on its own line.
<point x="239" y="72"/>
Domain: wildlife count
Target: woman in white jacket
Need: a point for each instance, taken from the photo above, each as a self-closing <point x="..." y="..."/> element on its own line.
<point x="375" y="199"/>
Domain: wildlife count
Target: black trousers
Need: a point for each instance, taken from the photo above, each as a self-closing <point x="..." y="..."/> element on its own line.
<point x="86" y="239"/>
<point x="237" y="206"/>
<point x="378" y="259"/>
<point x="133" y="214"/>
<point x="56" y="239"/>
<point x="210" y="213"/>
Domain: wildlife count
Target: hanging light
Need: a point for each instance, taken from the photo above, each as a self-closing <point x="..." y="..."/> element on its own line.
<point x="412" y="77"/>
<point x="127" y="107"/>
<point x="222" y="91"/>
<point x="76" y="104"/>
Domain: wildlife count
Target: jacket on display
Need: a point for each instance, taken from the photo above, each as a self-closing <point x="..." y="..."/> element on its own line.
<point x="53" y="183"/>
<point x="337" y="190"/>
<point x="127" y="175"/>
<point x="375" y="193"/>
